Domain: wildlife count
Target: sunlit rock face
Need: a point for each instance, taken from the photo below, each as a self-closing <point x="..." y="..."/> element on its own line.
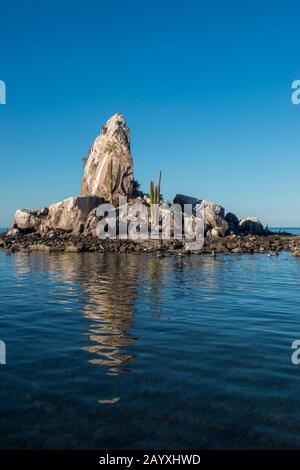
<point x="29" y="220"/>
<point x="109" y="165"/>
<point x="71" y="214"/>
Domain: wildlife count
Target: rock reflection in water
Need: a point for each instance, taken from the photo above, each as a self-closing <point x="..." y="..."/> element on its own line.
<point x="110" y="287"/>
<point x="105" y="287"/>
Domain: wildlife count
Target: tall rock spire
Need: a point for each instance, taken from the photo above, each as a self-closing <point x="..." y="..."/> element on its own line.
<point x="109" y="166"/>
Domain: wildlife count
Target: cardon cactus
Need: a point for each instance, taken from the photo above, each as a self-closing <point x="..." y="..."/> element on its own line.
<point x="155" y="198"/>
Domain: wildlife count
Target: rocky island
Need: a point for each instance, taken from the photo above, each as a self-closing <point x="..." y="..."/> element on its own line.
<point x="70" y="225"/>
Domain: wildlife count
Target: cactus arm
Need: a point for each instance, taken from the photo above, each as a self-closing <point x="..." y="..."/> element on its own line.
<point x="151" y="193"/>
<point x="158" y="185"/>
<point x="155" y="197"/>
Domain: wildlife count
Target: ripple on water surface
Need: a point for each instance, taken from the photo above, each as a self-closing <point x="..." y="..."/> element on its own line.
<point x="128" y="351"/>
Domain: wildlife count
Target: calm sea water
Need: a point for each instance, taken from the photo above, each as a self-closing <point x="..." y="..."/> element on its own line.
<point x="128" y="351"/>
<point x="293" y="230"/>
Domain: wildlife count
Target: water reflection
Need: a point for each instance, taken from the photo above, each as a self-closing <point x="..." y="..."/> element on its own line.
<point x="102" y="287"/>
<point x="105" y="288"/>
<point x="208" y="342"/>
<point x="109" y="287"/>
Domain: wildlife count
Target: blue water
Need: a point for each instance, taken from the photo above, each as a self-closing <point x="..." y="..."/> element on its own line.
<point x="127" y="351"/>
<point x="293" y="230"/>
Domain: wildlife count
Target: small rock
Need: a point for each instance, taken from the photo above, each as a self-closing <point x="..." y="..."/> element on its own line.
<point x="42" y="212"/>
<point x="221" y="249"/>
<point x="237" y="250"/>
<point x="39" y="247"/>
<point x="72" y="249"/>
<point x="13" y="232"/>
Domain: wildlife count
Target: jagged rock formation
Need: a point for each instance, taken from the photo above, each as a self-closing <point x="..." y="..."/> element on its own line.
<point x="251" y="225"/>
<point x="108" y="174"/>
<point x="214" y="215"/>
<point x="217" y="224"/>
<point x="108" y="171"/>
<point x="214" y="219"/>
<point x="29" y="221"/>
<point x="71" y="214"/>
<point x="78" y="215"/>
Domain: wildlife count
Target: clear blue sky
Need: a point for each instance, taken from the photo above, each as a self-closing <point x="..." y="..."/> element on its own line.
<point x="204" y="86"/>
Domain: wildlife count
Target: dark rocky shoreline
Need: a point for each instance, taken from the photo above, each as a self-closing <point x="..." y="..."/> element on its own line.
<point x="71" y="243"/>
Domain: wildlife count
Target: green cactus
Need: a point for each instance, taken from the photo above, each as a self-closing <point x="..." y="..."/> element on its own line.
<point x="158" y="186"/>
<point x="151" y="193"/>
<point x="155" y="198"/>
